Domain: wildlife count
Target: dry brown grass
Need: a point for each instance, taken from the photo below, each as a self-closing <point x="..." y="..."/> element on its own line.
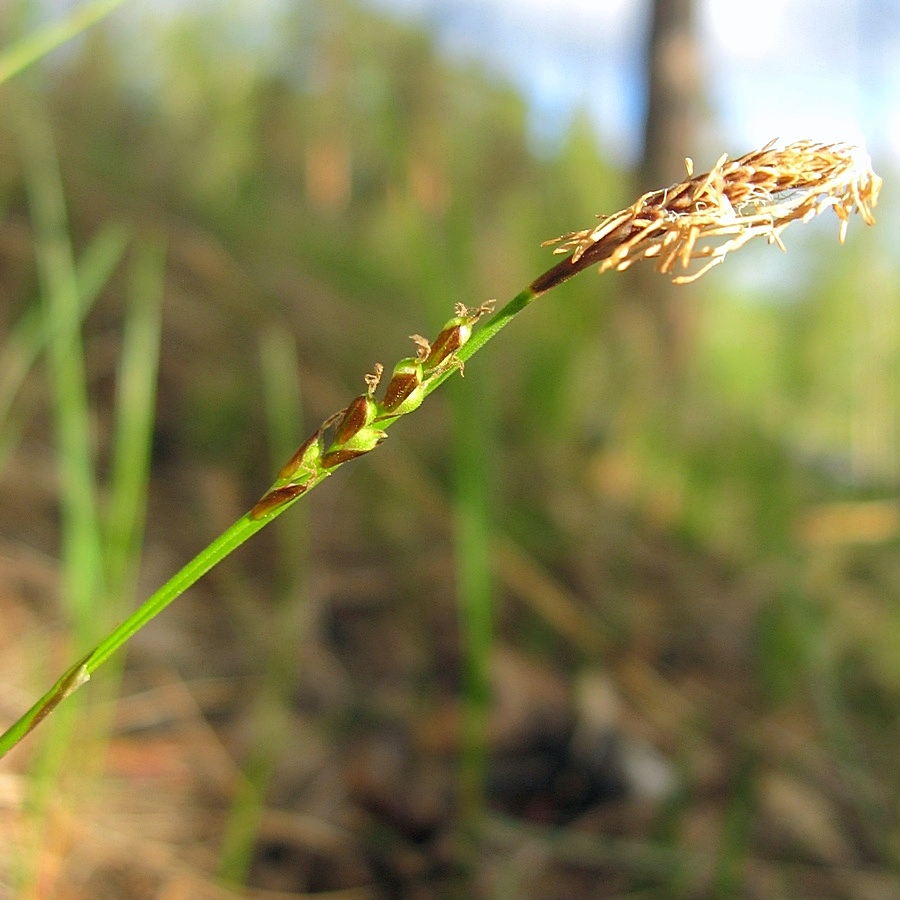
<point x="709" y="215"/>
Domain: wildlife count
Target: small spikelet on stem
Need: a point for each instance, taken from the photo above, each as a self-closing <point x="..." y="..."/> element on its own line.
<point x="357" y="429"/>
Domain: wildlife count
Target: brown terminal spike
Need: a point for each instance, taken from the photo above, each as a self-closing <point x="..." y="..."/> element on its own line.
<point x="707" y="216"/>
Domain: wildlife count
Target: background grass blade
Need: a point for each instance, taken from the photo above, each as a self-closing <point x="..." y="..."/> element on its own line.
<point x="135" y="411"/>
<point x="83" y="570"/>
<point x="281" y="635"/>
<point x="28" y="50"/>
<point x="29" y="336"/>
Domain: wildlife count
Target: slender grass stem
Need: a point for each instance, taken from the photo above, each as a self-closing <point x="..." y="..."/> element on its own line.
<point x="135" y="411"/>
<point x="704" y="218"/>
<point x="222" y="546"/>
<point x="81" y="672"/>
<point x="62" y="314"/>
<point x="475" y="593"/>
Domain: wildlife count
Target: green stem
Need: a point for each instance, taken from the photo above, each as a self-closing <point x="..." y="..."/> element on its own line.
<point x="553" y="277"/>
<point x="247" y="526"/>
<point x="81" y="672"/>
<point x="500" y="319"/>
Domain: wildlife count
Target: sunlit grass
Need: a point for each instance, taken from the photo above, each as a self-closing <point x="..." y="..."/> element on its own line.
<point x="727" y="483"/>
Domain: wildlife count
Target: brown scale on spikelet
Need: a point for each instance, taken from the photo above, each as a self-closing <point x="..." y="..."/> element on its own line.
<point x="709" y="215"/>
<point x="356" y="429"/>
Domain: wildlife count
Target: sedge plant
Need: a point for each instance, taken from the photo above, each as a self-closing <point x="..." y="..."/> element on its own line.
<point x="686" y="229"/>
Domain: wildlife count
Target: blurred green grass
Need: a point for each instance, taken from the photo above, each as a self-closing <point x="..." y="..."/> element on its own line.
<point x="340" y="187"/>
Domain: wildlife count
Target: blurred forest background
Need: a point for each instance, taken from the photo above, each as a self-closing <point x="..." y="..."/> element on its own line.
<point x="614" y="615"/>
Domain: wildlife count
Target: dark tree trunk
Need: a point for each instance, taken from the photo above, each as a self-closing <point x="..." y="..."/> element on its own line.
<point x="658" y="318"/>
<point x="674" y="93"/>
